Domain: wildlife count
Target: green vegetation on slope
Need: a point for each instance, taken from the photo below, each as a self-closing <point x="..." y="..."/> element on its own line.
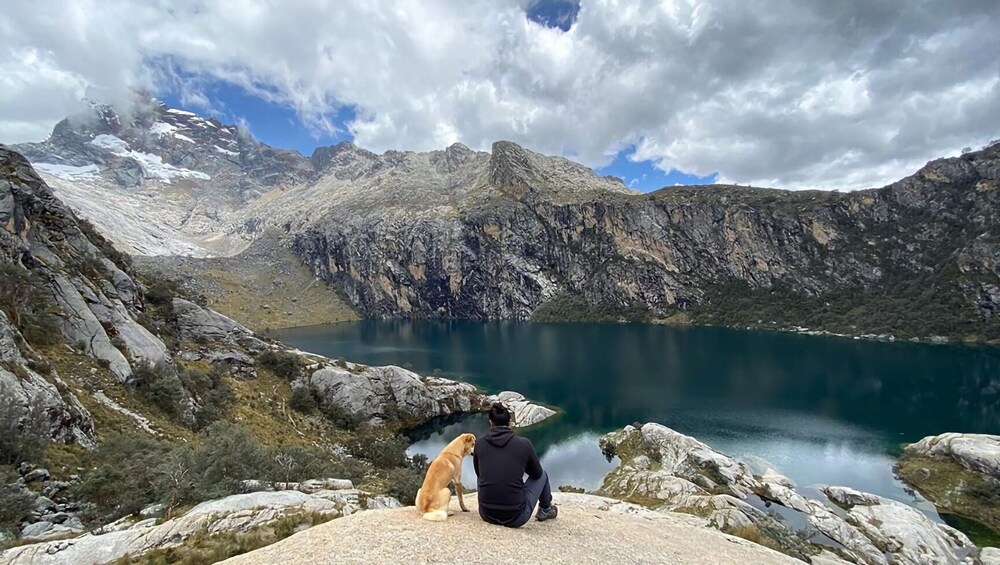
<point x="956" y="490"/>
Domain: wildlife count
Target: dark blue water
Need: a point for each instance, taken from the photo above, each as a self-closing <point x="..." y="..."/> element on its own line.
<point x="821" y="410"/>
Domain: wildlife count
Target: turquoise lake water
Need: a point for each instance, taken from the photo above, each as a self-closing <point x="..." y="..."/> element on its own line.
<point x="822" y="410"/>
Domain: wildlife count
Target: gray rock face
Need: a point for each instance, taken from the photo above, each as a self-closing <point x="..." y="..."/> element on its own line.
<point x="960" y="473"/>
<point x="68" y="420"/>
<point x="198" y="323"/>
<point x="849" y="497"/>
<point x="524" y="412"/>
<point x="520" y="230"/>
<point x="975" y="452"/>
<point x="671" y="471"/>
<point x="392" y="395"/>
<point x="683" y="456"/>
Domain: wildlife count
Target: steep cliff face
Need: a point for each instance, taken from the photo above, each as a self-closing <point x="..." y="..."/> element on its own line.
<point x="536" y="241"/>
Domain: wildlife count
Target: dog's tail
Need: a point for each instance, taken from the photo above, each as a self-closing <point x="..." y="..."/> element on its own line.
<point x="436" y="515"/>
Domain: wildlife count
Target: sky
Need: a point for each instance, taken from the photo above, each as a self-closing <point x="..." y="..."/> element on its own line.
<point x="786" y="93"/>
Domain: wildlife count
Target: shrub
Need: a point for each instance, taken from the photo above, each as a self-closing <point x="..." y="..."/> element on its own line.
<point x="382" y="450"/>
<point x="129" y="473"/>
<point x="284" y="364"/>
<point x="161" y="292"/>
<point x="226" y="456"/>
<point x="25" y="299"/>
<point x="303" y="400"/>
<point x="124" y="477"/>
<point x="24" y="429"/>
<point x="160" y="386"/>
<point x="211" y="390"/>
<point x="16" y="502"/>
<point x="405" y="481"/>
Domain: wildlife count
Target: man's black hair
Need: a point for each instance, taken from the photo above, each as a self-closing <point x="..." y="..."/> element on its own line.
<point x="499" y="415"/>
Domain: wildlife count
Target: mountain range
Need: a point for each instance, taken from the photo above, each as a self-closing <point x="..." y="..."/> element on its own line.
<point x="512" y="234"/>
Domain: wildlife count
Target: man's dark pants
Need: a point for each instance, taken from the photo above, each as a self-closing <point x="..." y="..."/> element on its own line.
<point x="535" y="491"/>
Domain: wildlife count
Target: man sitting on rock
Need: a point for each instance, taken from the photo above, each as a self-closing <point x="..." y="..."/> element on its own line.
<point x="501" y="459"/>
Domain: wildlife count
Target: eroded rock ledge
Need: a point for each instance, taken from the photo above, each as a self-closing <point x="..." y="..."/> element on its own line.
<point x="403" y="399"/>
<point x="329" y="498"/>
<point x="667" y="470"/>
<point x="959" y="473"/>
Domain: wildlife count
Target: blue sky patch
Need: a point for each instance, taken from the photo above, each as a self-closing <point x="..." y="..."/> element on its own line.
<point x="645" y="176"/>
<point x="554" y="13"/>
<point x="274" y="124"/>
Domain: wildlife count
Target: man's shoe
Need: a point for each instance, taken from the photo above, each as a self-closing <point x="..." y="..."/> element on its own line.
<point x="549" y="513"/>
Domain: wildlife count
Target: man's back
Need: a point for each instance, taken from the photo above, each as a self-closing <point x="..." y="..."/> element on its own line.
<point x="501" y="459"/>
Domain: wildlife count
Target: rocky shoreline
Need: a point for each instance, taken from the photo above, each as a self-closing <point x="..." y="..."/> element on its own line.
<point x="668" y="471"/>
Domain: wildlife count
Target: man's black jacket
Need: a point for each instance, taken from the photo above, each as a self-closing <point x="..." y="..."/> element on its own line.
<point x="501" y="459"/>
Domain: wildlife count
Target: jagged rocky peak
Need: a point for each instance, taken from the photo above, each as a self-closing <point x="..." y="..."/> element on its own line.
<point x="452" y="158"/>
<point x="149" y="142"/>
<point x="344" y="160"/>
<point x="518" y="171"/>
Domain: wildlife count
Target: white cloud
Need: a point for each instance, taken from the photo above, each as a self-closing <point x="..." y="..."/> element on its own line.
<point x="793" y="94"/>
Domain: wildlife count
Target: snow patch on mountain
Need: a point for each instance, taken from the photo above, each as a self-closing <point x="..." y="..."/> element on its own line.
<point x="184" y="138"/>
<point x="161" y="128"/>
<point x="67" y="172"/>
<point x="152" y="165"/>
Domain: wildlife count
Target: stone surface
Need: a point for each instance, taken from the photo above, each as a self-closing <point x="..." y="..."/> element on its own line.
<point x="975" y="452"/>
<point x="849" y="497"/>
<point x="908" y="534"/>
<point x="37" y="475"/>
<point x="959" y="473"/>
<point x="524" y="412"/>
<point x="67" y="419"/>
<point x="670" y="471"/>
<point x="198" y="323"/>
<point x="392" y="395"/>
<point x="589" y="529"/>
<point x="682" y="456"/>
<point x="238" y="513"/>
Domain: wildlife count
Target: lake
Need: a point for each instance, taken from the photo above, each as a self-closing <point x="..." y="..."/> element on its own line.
<point x="821" y="410"/>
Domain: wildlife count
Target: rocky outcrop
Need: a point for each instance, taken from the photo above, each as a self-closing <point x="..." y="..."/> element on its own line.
<point x="959" y="473"/>
<point x="979" y="453"/>
<point x="667" y="470"/>
<point x="402" y="399"/>
<point x="237" y="513"/>
<point x="203" y="324"/>
<point x="391" y="395"/>
<point x="23" y="390"/>
<point x="590" y="529"/>
<point x="524" y="413"/>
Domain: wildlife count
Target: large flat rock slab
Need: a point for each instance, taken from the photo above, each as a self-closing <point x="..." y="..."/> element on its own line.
<point x="589" y="529"/>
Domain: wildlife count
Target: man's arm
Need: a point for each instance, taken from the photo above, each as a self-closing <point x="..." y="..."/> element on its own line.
<point x="534" y="466"/>
<point x="475" y="461"/>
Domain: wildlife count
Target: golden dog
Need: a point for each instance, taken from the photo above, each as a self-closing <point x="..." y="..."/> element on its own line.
<point x="433" y="497"/>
